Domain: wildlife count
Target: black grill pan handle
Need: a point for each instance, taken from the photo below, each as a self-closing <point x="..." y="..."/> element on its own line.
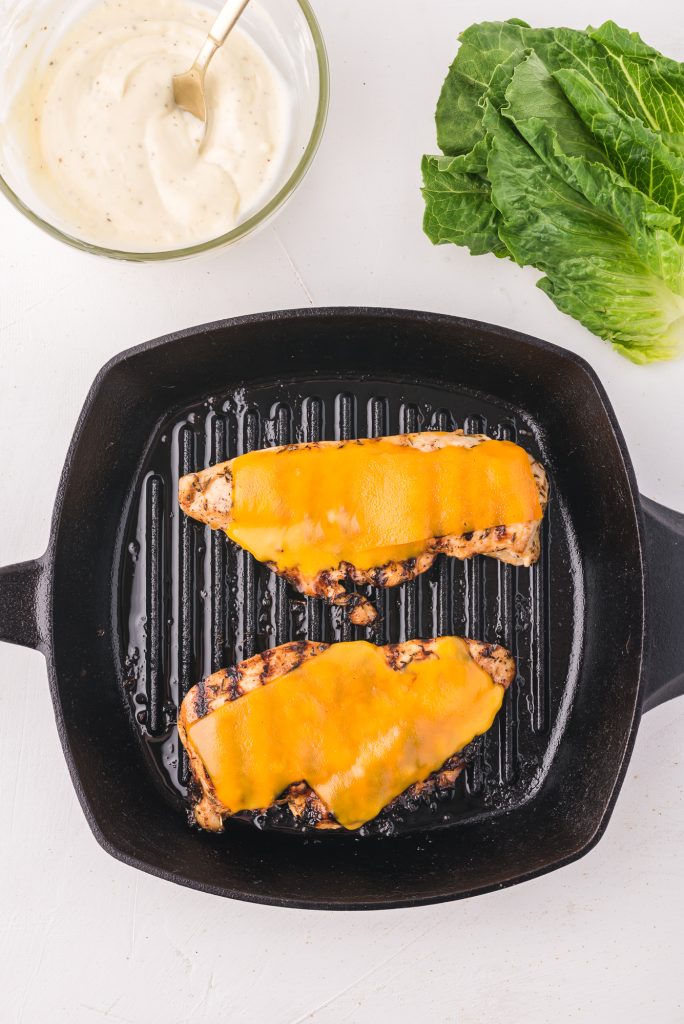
<point x="22" y="604"/>
<point x="665" y="573"/>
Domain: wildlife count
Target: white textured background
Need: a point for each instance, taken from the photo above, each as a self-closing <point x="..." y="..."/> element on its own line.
<point x="84" y="939"/>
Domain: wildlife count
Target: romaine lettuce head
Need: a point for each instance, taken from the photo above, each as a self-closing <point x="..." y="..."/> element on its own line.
<point x="564" y="150"/>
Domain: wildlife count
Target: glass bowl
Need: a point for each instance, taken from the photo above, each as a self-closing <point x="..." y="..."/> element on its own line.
<point x="286" y="30"/>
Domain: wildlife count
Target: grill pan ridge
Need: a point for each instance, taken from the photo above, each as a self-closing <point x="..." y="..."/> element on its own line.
<point x="194" y="602"/>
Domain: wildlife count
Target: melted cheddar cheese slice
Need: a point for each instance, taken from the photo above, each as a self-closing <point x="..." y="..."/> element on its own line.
<point x="374" y="501"/>
<point x="357" y="730"/>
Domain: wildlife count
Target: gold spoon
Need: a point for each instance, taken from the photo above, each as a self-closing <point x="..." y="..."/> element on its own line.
<point x="188" y="88"/>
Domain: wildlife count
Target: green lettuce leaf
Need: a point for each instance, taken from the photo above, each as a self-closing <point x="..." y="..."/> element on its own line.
<point x="541" y="113"/>
<point x="564" y="150"/>
<point x="653" y="85"/>
<point x="483" y="48"/>
<point x="635" y="77"/>
<point x="635" y="150"/>
<point x="592" y="270"/>
<point x="458" y="207"/>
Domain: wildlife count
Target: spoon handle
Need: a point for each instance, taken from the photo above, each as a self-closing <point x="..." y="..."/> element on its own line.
<point x="226" y="18"/>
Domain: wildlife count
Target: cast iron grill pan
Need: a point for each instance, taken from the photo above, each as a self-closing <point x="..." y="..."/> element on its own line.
<point x="193" y="602"/>
<point x="132" y="603"/>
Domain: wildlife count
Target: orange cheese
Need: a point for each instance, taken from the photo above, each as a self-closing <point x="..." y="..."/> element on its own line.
<point x="374" y="501"/>
<point x="356" y="730"/>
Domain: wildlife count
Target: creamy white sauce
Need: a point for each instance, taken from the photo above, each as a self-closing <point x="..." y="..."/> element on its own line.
<point x="112" y="157"/>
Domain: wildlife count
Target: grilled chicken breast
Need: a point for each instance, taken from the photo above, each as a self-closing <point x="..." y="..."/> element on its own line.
<point x="305" y="805"/>
<point x="208" y="496"/>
